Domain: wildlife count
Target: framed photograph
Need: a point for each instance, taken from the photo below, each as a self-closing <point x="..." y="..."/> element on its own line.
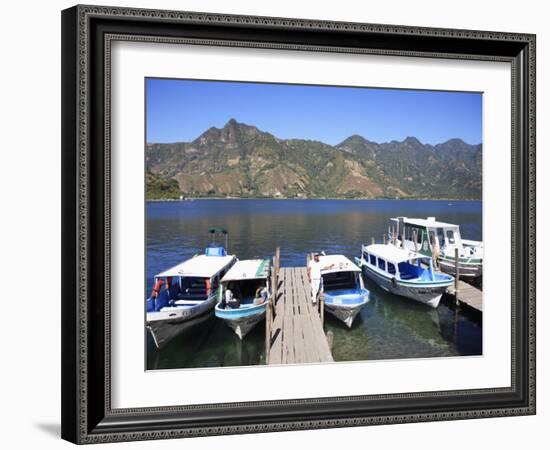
<point x="280" y="224"/>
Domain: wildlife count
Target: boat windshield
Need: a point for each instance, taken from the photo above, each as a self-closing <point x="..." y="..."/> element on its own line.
<point x="451" y="236"/>
<point x="187" y="288"/>
<point x="245" y="291"/>
<point x="339" y="280"/>
<point x="415" y="268"/>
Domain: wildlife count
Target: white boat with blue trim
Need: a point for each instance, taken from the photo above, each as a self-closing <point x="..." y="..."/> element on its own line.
<point x="244" y="294"/>
<point x="404" y="272"/>
<point x="185" y="294"/>
<point x="344" y="294"/>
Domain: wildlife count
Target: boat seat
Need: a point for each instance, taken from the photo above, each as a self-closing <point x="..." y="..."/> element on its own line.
<point x="188" y="302"/>
<point x="170" y="308"/>
<point x="339" y="286"/>
<point x="407" y="276"/>
<point x="192" y="294"/>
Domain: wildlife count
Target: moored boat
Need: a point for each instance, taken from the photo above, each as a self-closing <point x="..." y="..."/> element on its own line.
<point x="439" y="240"/>
<point x="183" y="294"/>
<point x="404" y="272"/>
<point x="249" y="291"/>
<point x="343" y="291"/>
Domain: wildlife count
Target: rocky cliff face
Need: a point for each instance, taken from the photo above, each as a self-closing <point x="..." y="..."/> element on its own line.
<point x="239" y="160"/>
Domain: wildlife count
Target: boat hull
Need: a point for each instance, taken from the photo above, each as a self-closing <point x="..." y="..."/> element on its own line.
<point x="166" y="324"/>
<point x="465" y="270"/>
<point x="163" y="332"/>
<point x="346" y="306"/>
<point x="470" y="262"/>
<point x="427" y="294"/>
<point x="346" y="315"/>
<point x="242" y="320"/>
<point x="241" y="327"/>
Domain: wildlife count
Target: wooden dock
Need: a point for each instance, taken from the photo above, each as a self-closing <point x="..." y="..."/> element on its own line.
<point x="295" y="332"/>
<point x="468" y="295"/>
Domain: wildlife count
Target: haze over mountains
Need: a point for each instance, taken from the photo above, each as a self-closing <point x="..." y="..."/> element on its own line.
<point x="241" y="161"/>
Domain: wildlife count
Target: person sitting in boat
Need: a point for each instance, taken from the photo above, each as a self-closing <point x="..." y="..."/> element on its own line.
<point x="435" y="250"/>
<point x="230" y="300"/>
<point x="314" y="275"/>
<point x="261" y="295"/>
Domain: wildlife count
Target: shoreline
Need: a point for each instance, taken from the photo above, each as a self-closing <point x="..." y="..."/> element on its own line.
<point x="306" y="199"/>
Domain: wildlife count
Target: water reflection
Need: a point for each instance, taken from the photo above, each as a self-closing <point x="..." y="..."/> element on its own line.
<point x="389" y="327"/>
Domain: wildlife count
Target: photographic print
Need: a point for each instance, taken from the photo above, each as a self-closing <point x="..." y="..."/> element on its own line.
<point x="298" y="224"/>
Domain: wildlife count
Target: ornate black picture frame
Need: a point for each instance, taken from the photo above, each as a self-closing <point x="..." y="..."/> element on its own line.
<point x="87" y="33"/>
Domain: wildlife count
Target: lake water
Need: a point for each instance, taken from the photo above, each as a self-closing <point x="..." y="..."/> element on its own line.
<point x="388" y="327"/>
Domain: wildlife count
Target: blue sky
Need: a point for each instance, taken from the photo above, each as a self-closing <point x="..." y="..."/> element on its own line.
<point x="181" y="110"/>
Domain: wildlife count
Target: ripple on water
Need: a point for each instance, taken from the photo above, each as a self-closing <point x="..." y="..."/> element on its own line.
<point x="389" y="327"/>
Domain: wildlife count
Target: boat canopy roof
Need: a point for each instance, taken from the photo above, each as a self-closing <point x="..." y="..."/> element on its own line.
<point x="248" y="269"/>
<point x="429" y="222"/>
<point x="201" y="266"/>
<point x="341" y="264"/>
<point x="392" y="254"/>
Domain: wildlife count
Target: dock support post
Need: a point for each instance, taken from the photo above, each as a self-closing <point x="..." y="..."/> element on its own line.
<point x="270" y="307"/>
<point x="277" y="264"/>
<point x="384" y="238"/>
<point x="268" y="330"/>
<point x="457" y="274"/>
<point x="373" y="241"/>
<point x="274" y="283"/>
<point x="322" y="309"/>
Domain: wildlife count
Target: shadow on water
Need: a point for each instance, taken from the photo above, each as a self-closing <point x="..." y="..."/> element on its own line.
<point x="393" y="327"/>
<point x="389" y="327"/>
<point x="210" y="344"/>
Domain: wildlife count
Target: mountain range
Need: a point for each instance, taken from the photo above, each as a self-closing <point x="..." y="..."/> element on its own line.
<point x="242" y="161"/>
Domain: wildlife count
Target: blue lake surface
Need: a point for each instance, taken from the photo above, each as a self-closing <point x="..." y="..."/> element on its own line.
<point x="389" y="327"/>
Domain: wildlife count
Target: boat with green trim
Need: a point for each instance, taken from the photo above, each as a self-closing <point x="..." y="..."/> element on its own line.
<point x="244" y="294"/>
<point x="404" y="272"/>
<point x="438" y="240"/>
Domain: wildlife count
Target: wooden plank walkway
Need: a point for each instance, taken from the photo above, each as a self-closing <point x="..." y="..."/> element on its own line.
<point x="297" y="335"/>
<point x="469" y="295"/>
